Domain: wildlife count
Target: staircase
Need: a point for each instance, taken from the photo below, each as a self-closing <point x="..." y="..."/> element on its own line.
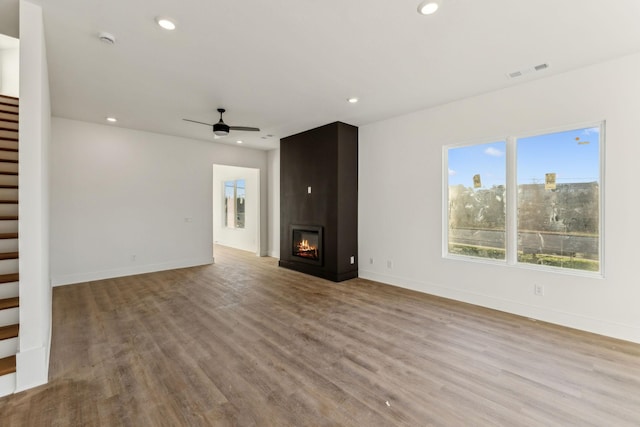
<point x="9" y="301"/>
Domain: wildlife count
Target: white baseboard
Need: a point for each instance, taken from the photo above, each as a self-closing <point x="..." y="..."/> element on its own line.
<point x="571" y="320"/>
<point x="69" y="279"/>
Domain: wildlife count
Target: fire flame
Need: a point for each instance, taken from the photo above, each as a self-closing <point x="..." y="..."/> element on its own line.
<point x="304" y="246"/>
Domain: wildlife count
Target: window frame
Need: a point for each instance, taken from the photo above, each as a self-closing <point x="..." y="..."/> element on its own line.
<point x="511" y="208"/>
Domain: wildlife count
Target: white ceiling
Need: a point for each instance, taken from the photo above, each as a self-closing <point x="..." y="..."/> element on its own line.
<point x="289" y="65"/>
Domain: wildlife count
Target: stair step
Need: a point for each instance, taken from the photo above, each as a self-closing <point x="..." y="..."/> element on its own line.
<point x="8" y="104"/>
<point x="7" y="107"/>
<point x="8" y="217"/>
<point x="8" y="161"/>
<point x="8" y="236"/>
<point x="9" y="255"/>
<point x="7" y="365"/>
<point x="8" y="202"/>
<point x="8" y="278"/>
<point x="11" y="186"/>
<point x="9" y="331"/>
<point x="13" y="150"/>
<point x="9" y="100"/>
<point x="9" y="303"/>
<point x="8" y="173"/>
<point x="10" y="129"/>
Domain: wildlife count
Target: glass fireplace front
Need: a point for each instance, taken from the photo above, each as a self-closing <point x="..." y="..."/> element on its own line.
<point x="307" y="243"/>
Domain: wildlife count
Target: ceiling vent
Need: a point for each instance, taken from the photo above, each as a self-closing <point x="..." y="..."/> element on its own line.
<point x="528" y="70"/>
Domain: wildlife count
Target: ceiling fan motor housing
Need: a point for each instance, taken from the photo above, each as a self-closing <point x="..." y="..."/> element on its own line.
<point x="221" y="129"/>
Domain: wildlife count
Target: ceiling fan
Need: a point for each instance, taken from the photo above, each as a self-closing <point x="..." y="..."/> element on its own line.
<point x="221" y="128"/>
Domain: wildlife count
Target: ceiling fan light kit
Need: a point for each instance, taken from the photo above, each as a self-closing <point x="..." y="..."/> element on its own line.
<point x="221" y="129"/>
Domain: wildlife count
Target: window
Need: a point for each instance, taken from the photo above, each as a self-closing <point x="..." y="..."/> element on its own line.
<point x="234" y="203"/>
<point x="551" y="216"/>
<point x="476" y="212"/>
<point x="559" y="199"/>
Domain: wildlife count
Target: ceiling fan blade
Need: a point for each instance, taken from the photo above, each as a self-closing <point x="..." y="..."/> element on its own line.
<point x="195" y="121"/>
<point x="244" y="128"/>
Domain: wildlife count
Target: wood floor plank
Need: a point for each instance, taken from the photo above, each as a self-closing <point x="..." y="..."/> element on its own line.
<point x="245" y="343"/>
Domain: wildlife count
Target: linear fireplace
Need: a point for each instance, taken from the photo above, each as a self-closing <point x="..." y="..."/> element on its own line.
<point x="307" y="243"/>
<point x="319" y="186"/>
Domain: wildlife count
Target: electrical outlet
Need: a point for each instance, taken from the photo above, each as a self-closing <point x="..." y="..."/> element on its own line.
<point x="352" y="259"/>
<point x="370" y="260"/>
<point x="389" y="264"/>
<point x="538" y="290"/>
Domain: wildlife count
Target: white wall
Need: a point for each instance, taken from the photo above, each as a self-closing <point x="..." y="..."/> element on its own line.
<point x="118" y="192"/>
<point x="273" y="159"/>
<point x="240" y="238"/>
<point x="35" y="128"/>
<point x="10" y="72"/>
<point x="10" y="18"/>
<point x="401" y="164"/>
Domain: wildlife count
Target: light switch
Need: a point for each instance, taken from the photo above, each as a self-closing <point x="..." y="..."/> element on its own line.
<point x="309" y="190"/>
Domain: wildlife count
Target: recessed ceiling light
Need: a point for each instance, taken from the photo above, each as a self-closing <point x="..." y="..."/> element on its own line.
<point x="353" y="100"/>
<point x="107" y="38"/>
<point x="112" y="119"/>
<point x="238" y="142"/>
<point x="428" y="7"/>
<point x="166" y="23"/>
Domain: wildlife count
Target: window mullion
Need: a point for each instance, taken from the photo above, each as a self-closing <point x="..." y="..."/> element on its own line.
<point x="512" y="204"/>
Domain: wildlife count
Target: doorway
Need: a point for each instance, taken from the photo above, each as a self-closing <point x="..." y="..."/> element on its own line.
<point x="236" y="207"/>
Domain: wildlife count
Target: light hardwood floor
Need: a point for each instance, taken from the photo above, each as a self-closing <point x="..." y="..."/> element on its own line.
<point x="245" y="343"/>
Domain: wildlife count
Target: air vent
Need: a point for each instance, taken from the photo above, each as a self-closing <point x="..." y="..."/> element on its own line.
<point x="527" y="70"/>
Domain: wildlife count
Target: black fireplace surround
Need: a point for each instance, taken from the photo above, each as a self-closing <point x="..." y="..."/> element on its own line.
<point x="319" y="202"/>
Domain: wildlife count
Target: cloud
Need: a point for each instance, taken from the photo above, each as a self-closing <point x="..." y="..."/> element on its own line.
<point x="591" y="131"/>
<point x="491" y="151"/>
<point x="452" y="172"/>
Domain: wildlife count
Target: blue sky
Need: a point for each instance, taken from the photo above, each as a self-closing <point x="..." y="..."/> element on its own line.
<point x="571" y="155"/>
